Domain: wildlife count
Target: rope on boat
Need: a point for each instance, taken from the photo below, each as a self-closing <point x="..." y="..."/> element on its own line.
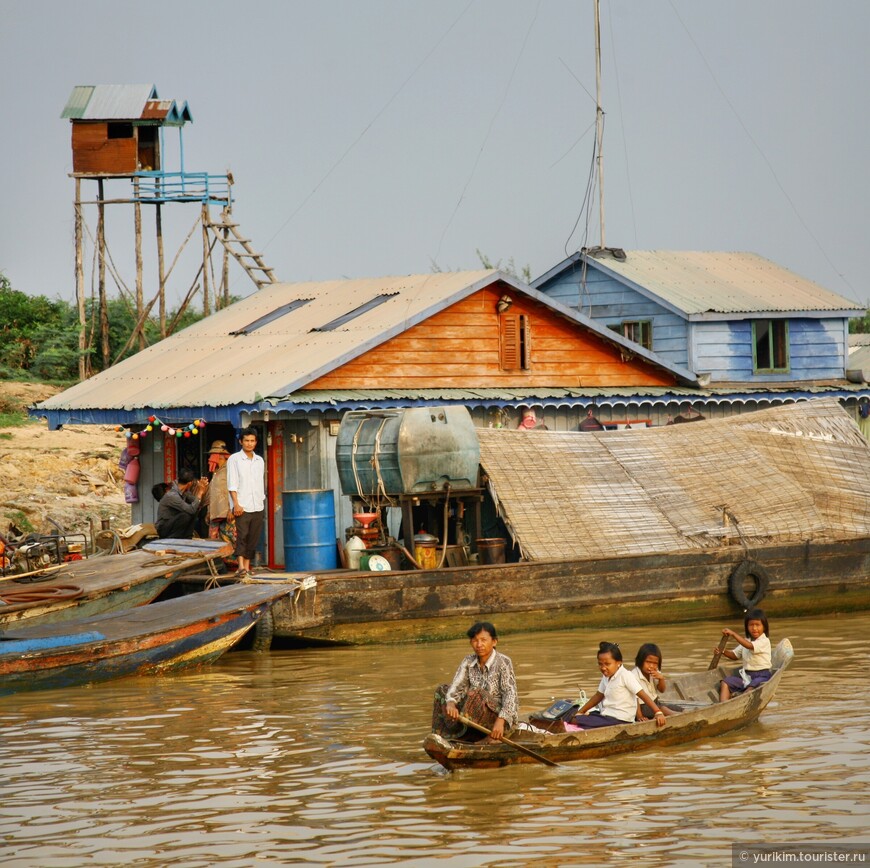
<point x="23" y="598"/>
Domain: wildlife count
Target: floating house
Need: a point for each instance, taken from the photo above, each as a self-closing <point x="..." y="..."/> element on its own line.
<point x="292" y="359"/>
<point x="752" y="331"/>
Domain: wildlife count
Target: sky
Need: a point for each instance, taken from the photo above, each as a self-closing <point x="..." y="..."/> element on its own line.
<point x="382" y="137"/>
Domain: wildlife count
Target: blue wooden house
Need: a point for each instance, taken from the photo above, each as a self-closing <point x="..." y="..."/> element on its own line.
<point x="731" y="318"/>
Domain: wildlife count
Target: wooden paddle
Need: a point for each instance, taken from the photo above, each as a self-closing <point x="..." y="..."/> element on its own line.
<point x="521" y="748"/>
<point x="717" y="654"/>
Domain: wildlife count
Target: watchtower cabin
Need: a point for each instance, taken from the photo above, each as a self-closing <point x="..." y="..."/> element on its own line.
<point x="117" y="129"/>
<point x="118" y="134"/>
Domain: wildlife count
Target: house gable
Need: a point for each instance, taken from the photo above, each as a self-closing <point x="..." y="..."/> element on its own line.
<point x="469" y="344"/>
<point x="704" y="311"/>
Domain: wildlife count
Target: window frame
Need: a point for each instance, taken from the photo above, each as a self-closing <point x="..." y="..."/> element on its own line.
<point x="622" y="328"/>
<point x="778" y="334"/>
<point x="514" y="342"/>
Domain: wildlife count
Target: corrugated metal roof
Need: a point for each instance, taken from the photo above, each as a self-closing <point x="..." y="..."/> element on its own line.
<point x="700" y="282"/>
<point x="78" y="101"/>
<point x="470" y="396"/>
<point x="127" y="102"/>
<point x="206" y="365"/>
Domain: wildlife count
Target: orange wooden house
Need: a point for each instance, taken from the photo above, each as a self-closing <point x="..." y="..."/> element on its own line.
<point x="292" y="359"/>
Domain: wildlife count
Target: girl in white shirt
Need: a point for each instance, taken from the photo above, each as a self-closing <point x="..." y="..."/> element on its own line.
<point x="647" y="670"/>
<point x="754" y="651"/>
<point x="617" y="693"/>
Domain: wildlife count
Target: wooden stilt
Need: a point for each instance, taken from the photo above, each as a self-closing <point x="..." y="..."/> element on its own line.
<point x="206" y="301"/>
<point x="80" y="285"/>
<point x="161" y="276"/>
<point x="137" y="228"/>
<point x="101" y="248"/>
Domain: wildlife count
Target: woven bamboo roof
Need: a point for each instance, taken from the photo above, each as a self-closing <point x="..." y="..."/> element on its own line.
<point x="796" y="472"/>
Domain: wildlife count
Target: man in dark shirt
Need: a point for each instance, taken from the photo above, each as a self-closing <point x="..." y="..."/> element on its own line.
<point x="178" y="508"/>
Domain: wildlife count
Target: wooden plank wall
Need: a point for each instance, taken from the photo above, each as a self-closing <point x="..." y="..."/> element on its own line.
<point x="459" y="348"/>
<point x="610" y="302"/>
<point x="816" y="351"/>
<point x="94" y="152"/>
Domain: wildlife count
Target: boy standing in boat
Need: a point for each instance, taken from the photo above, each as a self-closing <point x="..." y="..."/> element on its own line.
<point x="246" y="473"/>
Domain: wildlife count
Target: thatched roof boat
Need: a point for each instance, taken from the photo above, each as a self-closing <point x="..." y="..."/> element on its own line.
<point x="695" y="697"/>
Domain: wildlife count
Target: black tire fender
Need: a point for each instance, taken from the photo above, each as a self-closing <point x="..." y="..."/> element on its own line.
<point x="743" y="570"/>
<point x="264" y="630"/>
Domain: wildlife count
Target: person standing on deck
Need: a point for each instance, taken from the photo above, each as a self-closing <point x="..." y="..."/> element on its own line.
<point x="246" y="473"/>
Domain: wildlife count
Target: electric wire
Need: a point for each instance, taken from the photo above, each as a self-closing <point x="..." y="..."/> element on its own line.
<point x="622" y="123"/>
<point x="370" y="124"/>
<point x="760" y="151"/>
<point x="488" y="133"/>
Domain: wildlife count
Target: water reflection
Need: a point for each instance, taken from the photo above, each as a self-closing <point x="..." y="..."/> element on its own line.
<point x="313" y="757"/>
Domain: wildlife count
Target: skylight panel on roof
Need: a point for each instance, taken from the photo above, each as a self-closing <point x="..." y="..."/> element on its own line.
<point x="271" y="316"/>
<point x="339" y="321"/>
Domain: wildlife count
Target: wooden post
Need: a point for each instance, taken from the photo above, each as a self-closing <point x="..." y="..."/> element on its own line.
<point x="137" y="227"/>
<point x="225" y="277"/>
<point x="80" y="285"/>
<point x="101" y="247"/>
<point x="206" y="302"/>
<point x="161" y="276"/>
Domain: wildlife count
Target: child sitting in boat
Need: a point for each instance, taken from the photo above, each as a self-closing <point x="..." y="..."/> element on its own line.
<point x="754" y="651"/>
<point x="647" y="670"/>
<point x="617" y="693"/>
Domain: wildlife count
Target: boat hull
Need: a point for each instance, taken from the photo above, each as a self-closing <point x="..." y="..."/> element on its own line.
<point x="109" y="583"/>
<point x="175" y="634"/>
<point x="364" y="607"/>
<point x="692" y="723"/>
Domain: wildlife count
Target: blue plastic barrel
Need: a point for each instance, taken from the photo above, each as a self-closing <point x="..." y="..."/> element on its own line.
<point x="309" y="530"/>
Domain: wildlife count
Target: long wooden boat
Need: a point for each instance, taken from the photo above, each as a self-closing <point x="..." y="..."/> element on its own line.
<point x="108" y="583"/>
<point x="700" y="715"/>
<point x="360" y="607"/>
<point x="173" y="634"/>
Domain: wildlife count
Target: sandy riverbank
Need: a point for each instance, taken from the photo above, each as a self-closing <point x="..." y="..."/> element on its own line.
<point x="71" y="475"/>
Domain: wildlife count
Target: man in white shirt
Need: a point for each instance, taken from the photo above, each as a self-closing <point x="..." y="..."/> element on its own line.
<point x="246" y="474"/>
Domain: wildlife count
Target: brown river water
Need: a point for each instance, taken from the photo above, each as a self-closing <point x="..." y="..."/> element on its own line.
<point x="313" y="757"/>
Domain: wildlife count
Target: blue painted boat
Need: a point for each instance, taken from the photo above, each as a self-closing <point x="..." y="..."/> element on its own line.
<point x="174" y="634"/>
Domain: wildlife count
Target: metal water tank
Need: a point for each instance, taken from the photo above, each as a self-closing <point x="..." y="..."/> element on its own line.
<point x="407" y="451"/>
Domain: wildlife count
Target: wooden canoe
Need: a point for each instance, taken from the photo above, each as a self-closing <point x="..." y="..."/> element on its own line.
<point x="106" y="583"/>
<point x="173" y="634"/>
<point x="700" y="715"/>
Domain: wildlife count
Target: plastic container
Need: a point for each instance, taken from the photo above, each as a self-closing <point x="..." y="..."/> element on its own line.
<point x="309" y="530"/>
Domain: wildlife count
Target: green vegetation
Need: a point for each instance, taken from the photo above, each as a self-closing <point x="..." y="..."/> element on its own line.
<point x="20" y="520"/>
<point x="39" y="338"/>
<point x="12" y="415"/>
<point x="860" y="325"/>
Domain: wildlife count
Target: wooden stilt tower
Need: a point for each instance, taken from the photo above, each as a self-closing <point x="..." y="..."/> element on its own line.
<point x="118" y="136"/>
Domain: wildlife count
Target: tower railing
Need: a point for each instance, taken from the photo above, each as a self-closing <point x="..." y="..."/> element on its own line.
<point x="184" y="187"/>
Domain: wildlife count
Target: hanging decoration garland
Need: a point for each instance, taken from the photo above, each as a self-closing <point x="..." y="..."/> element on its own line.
<point x="154" y="423"/>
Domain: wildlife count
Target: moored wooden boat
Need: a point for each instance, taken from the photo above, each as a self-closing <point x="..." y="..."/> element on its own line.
<point x="173" y="634"/>
<point x="108" y="583"/>
<point x="700" y="715"/>
<point x="362" y="607"/>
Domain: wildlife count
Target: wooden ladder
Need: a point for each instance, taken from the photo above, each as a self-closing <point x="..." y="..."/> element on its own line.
<point x="227" y="232"/>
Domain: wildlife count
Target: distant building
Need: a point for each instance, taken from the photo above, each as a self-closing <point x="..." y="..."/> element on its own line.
<point x="116" y="128"/>
<point x="732" y="318"/>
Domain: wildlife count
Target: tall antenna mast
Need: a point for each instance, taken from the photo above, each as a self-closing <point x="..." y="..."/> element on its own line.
<point x="599" y="122"/>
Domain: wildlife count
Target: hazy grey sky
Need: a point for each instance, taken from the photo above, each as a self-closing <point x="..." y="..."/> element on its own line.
<point x="379" y="136"/>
